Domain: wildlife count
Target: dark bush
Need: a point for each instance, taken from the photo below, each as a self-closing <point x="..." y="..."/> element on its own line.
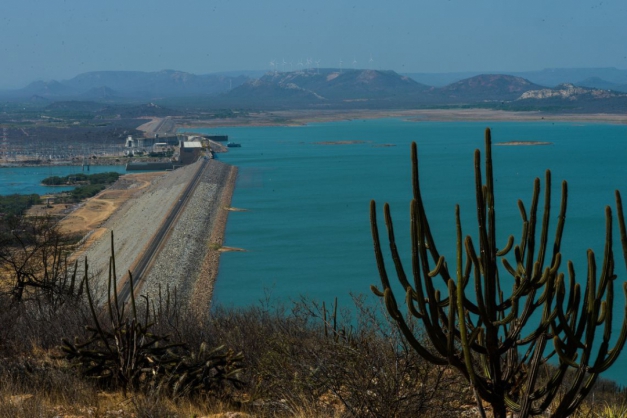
<point x="17" y="204"/>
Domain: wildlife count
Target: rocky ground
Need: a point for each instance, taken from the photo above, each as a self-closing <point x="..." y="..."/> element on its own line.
<point x="184" y="262"/>
<point x="180" y="263"/>
<point x="135" y="222"/>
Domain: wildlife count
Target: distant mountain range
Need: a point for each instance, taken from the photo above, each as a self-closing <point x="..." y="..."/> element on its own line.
<point x="575" y="98"/>
<point x="549" y="77"/>
<point x="103" y="110"/>
<point x="324" y="88"/>
<point x="332" y="88"/>
<point x="121" y="85"/>
<point x="487" y="87"/>
<point x="598" y="83"/>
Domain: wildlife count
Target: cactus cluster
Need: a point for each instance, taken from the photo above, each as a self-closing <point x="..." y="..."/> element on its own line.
<point x="501" y="344"/>
<point x="121" y="351"/>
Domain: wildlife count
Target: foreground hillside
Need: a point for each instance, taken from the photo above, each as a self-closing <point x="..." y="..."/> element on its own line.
<point x="298" y="361"/>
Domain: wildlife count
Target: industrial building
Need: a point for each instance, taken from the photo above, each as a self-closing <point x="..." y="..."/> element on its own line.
<point x="190" y="148"/>
<point x="139" y="146"/>
<point x="189" y="152"/>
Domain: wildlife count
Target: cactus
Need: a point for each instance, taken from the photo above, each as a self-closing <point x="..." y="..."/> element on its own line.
<point x="122" y="350"/>
<point x="494" y="340"/>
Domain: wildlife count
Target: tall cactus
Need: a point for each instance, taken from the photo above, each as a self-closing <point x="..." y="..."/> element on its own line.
<point x="500" y="345"/>
<point x="124" y="351"/>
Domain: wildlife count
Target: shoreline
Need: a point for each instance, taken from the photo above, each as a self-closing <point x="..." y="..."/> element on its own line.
<point x="67" y="163"/>
<point x="304" y="117"/>
<point x="202" y="294"/>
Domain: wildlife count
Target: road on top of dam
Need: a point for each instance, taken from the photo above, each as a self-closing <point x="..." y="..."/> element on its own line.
<point x="144" y="262"/>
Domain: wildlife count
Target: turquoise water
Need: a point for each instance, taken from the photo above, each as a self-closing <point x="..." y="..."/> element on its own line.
<point x="306" y="228"/>
<point x="27" y="180"/>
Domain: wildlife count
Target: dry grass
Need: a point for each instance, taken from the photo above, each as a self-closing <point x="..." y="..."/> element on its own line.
<point x="293" y="367"/>
<point x="360" y="368"/>
<point x="94" y="211"/>
<point x="62" y="394"/>
<point x="297" y="365"/>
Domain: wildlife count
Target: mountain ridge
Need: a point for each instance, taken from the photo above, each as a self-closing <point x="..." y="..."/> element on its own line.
<point x="326" y="88"/>
<point x="489" y="87"/>
<point x="549" y="77"/>
<point x="130" y="85"/>
<point x="370" y="88"/>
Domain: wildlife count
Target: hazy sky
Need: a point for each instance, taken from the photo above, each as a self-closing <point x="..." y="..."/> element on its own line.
<point x="55" y="39"/>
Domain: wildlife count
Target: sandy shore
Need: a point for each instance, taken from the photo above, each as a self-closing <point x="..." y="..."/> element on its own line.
<point x="303" y="117"/>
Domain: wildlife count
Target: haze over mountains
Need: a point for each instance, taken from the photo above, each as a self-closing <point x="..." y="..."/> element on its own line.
<point x="324" y="87"/>
<point x="549" y="77"/>
<point x="348" y="88"/>
<point x="372" y="89"/>
<point x="130" y="85"/>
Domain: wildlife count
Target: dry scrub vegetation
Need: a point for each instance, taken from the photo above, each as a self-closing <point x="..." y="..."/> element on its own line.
<point x="293" y="367"/>
<point x="301" y="360"/>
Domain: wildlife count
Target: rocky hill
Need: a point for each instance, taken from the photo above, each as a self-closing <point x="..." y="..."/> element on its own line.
<point x="326" y="87"/>
<point x="46" y="89"/>
<point x="570" y="92"/>
<point x="487" y="87"/>
<point x="369" y="88"/>
<point x="549" y="77"/>
<point x="574" y="98"/>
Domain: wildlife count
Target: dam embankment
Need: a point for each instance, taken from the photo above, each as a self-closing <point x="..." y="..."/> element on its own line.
<point x="181" y="262"/>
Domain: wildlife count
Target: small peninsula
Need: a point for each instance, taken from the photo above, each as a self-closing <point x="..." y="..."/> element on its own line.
<point x="523" y="143"/>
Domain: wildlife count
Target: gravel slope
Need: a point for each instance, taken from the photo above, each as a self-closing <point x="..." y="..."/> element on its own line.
<point x="135" y="222"/>
<point x="179" y="263"/>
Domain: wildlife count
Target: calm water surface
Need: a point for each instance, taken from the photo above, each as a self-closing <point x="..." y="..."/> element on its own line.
<point x="27" y="180"/>
<point x="306" y="228"/>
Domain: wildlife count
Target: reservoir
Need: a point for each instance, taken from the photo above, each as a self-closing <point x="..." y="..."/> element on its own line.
<point x="26" y="180"/>
<point x="306" y="191"/>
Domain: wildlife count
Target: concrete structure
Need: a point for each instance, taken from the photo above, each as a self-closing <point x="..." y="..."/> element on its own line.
<point x="218" y="138"/>
<point x="130" y="142"/>
<point x="172" y="140"/>
<point x="149" y="166"/>
<point x="151" y="142"/>
<point x="189" y="151"/>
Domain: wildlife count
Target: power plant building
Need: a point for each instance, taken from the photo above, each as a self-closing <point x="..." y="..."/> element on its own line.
<point x="189" y="151"/>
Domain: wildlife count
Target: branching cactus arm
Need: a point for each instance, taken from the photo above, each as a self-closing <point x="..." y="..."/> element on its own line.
<point x="483" y="333"/>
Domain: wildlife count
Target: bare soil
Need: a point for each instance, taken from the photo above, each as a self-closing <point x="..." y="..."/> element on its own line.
<point x="89" y="215"/>
<point x="302" y="117"/>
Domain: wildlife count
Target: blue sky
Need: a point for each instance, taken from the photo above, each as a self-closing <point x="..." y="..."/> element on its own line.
<point x="56" y="39"/>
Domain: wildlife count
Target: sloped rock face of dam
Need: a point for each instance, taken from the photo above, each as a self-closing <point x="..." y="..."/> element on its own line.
<point x="183" y="261"/>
